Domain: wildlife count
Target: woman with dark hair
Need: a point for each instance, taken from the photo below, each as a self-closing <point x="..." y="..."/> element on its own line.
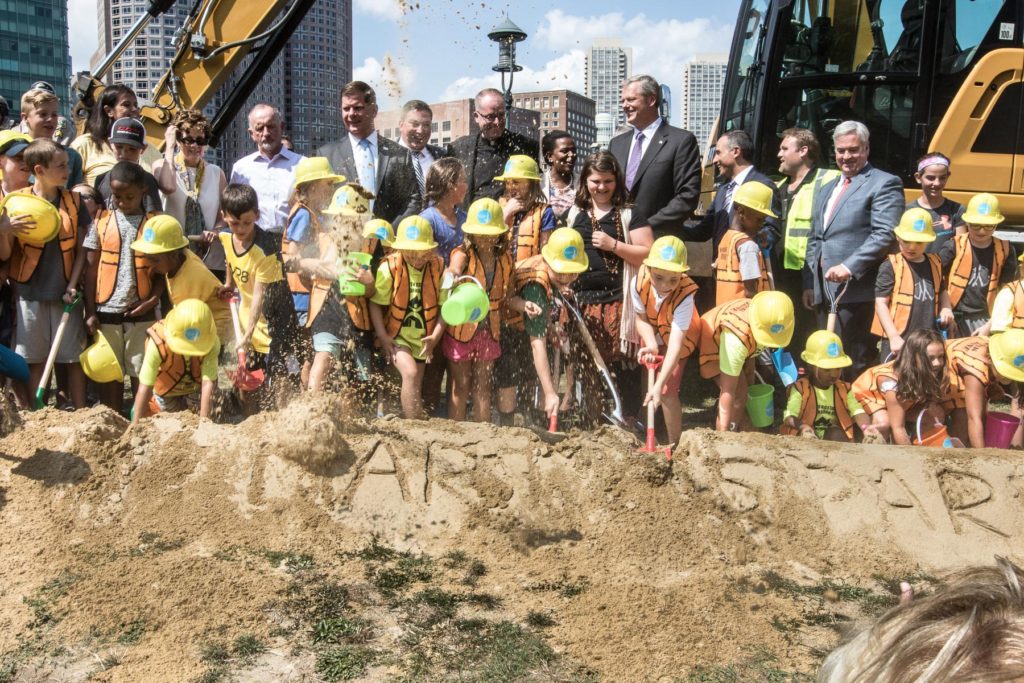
<point x="116" y="102"/>
<point x="559" y="182"/>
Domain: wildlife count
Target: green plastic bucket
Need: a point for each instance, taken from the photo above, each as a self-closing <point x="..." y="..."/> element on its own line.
<point x="468" y="303"/>
<point x="761" y="405"/>
<point x="353" y="262"/>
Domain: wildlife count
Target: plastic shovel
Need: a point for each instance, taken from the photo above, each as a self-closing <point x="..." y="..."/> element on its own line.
<point x="615" y="417"/>
<point x="651" y="446"/>
<point x="243" y="378"/>
<point x="785" y="367"/>
<point x="51" y="359"/>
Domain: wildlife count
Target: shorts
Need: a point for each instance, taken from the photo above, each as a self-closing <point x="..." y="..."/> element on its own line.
<point x="356" y="353"/>
<point x="675" y="378"/>
<point x="515" y="365"/>
<point x="35" y="326"/>
<point x="481" y="347"/>
<point x="127" y="338"/>
<point x="176" y="404"/>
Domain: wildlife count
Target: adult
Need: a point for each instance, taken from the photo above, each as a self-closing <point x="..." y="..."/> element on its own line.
<point x="116" y="102"/>
<point x="798" y="156"/>
<point x="662" y="162"/>
<point x="196" y="203"/>
<point x="483" y="154"/>
<point x="851" y="234"/>
<point x="559" y="183"/>
<point x="414" y="134"/>
<point x="381" y="166"/>
<point x="270" y="170"/>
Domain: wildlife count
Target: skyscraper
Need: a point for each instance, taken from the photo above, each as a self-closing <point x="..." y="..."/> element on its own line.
<point x="608" y="65"/>
<point x="703" y="81"/>
<point x="34" y="47"/>
<point x="146" y="60"/>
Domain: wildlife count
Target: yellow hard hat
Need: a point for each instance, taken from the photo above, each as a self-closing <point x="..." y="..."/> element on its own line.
<point x="915" y="226"/>
<point x="379" y="229"/>
<point x="43" y="214"/>
<point x="983" y="209"/>
<point x="485" y="218"/>
<point x="160" y="234"/>
<point x="310" y="169"/>
<point x="520" y="167"/>
<point x="13" y="142"/>
<point x="99" y="362"/>
<point x="564" y="252"/>
<point x="190" y="328"/>
<point x="756" y="196"/>
<point x="825" y="350"/>
<point x="414" y="234"/>
<point x="1007" y="352"/>
<point x="350" y="200"/>
<point x="667" y="253"/>
<point x="771" y="319"/>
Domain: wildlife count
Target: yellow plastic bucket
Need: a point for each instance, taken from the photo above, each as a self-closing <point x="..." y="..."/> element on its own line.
<point x="354" y="261"/>
<point x="761" y="405"/>
<point x="44" y="215"/>
<point x="99" y="362"/>
<point x="468" y="303"/>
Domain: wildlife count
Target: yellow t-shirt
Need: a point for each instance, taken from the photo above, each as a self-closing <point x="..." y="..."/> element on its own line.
<point x="1002" y="310"/>
<point x="251" y="266"/>
<point x="151" y="368"/>
<point x="195" y="281"/>
<point x="732" y="354"/>
<point x="826" y="416"/>
<point x="98" y="159"/>
<point x="413" y="329"/>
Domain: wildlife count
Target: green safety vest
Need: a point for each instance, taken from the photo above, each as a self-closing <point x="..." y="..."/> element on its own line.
<point x="798" y="220"/>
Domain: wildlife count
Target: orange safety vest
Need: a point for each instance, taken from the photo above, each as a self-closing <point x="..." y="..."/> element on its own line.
<point x="25" y="257"/>
<point x="809" y="406"/>
<point x="496" y="294"/>
<point x="963" y="261"/>
<point x="300" y="284"/>
<point x="902" y="298"/>
<point x="728" y="281"/>
<point x="110" y="258"/>
<point x="969" y="356"/>
<point x="527" y="235"/>
<point x="533" y="269"/>
<point x="173" y="366"/>
<point x="400" y="288"/>
<point x="865" y="387"/>
<point x="357" y="306"/>
<point x="732" y="316"/>
<point x="661" y="319"/>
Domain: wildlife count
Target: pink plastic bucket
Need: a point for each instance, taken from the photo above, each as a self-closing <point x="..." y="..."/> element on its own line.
<point x="999" y="429"/>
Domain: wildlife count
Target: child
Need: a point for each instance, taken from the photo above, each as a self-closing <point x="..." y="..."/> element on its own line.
<point x="406" y="305"/>
<point x="982" y="369"/>
<point x="378" y="236"/>
<point x="730" y="338"/>
<point x="181" y="359"/>
<point x="978" y="265"/>
<point x="536" y="280"/>
<point x="947" y="216"/>
<point x="740" y="268"/>
<point x="909" y="291"/>
<point x="525" y="210"/>
<point x="12" y="162"/>
<point x="40" y="112"/>
<point x="91" y="199"/>
<point x="471" y="349"/>
<point x="120" y="292"/>
<point x="48" y="275"/>
<point x="667" y="321"/>
<point x="821" y="405"/>
<point x="895" y="391"/>
<point x="445" y="190"/>
<point x="128" y="141"/>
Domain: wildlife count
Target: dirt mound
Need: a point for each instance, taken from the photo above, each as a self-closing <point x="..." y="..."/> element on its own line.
<point x="307" y="543"/>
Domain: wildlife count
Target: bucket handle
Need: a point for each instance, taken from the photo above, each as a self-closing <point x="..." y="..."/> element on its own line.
<point x="919" y="417"/>
<point x="467" y="277"/>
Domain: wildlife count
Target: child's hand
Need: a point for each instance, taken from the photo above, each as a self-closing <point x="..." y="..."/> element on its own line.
<point x="92" y="323"/>
<point x="895" y="345"/>
<point x="69" y="294"/>
<point x="15" y="224"/>
<point x="387" y="349"/>
<point x="551" y="404"/>
<point x="872" y="431"/>
<point x="225" y="293"/>
<point x="512" y="207"/>
<point x="653" y="396"/>
<point x="142" y="307"/>
<point x="429" y="343"/>
<point x="946" y="319"/>
<point x="532" y="310"/>
<point x="646" y="355"/>
<point x="807" y="432"/>
<point x="209" y="236"/>
<point x="983" y="331"/>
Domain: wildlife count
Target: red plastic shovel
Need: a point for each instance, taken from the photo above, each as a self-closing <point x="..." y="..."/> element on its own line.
<point x="243" y="378"/>
<point x="652" y="445"/>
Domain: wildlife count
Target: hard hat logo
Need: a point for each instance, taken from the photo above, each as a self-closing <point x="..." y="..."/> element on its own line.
<point x="412" y="232"/>
<point x="919" y="225"/>
<point x="1018" y="361"/>
<point x="509" y="166"/>
<point x="148" y="234"/>
<point x="341" y="199"/>
<point x="833" y="350"/>
<point x="192" y="333"/>
<point x="569" y="253"/>
<point x="483" y="216"/>
<point x="668" y="253"/>
<point x="984" y="209"/>
<point x="381" y="233"/>
<point x="777" y="327"/>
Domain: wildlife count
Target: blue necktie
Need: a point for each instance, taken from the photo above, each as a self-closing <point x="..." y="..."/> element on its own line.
<point x="366" y="167"/>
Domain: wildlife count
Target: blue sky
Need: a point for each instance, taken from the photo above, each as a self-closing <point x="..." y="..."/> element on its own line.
<point x="438" y="50"/>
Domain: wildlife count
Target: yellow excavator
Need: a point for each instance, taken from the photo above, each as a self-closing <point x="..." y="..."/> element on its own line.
<point x="214" y="41"/>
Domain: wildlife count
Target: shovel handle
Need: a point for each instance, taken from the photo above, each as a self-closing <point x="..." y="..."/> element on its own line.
<point x="553" y="423"/>
<point x="832" y="319"/>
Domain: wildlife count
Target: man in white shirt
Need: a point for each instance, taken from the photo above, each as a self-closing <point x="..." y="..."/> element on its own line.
<point x="270" y="170"/>
<point x="414" y="130"/>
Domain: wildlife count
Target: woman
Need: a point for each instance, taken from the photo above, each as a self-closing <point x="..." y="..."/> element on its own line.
<point x="196" y="202"/>
<point x="559" y="183"/>
<point x="117" y="101"/>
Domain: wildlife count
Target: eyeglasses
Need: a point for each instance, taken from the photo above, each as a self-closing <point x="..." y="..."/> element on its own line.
<point x="496" y="116"/>
<point x="193" y="141"/>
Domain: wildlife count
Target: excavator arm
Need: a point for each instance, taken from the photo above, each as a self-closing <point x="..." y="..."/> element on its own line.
<point x="217" y="36"/>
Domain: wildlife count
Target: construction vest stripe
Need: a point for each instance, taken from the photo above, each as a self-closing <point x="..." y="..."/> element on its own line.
<point x="497" y="294"/>
<point x="401" y="288"/>
<point x="533" y="269"/>
<point x="661" y="319"/>
<point x="173" y="368"/>
<point x="730" y="316"/>
<point x="25" y="257"/>
<point x="865" y="387"/>
<point x="527" y="234"/>
<point x="799" y="217"/>
<point x="728" y="280"/>
<point x="809" y="406"/>
<point x="963" y="263"/>
<point x="902" y="299"/>
<point x="109" y="236"/>
<point x="969" y="356"/>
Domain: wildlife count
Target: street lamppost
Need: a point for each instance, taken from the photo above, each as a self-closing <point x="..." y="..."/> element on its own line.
<point x="506" y="35"/>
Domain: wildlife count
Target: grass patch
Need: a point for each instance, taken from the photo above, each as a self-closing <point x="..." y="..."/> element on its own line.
<point x="344" y="663"/>
<point x="539" y="619"/>
<point x="564" y="587"/>
<point x="761" y="666"/>
<point x="151" y="543"/>
<point x="247" y="647"/>
<point x="340" y="630"/>
<point x="41" y="602"/>
<point x="292" y="562"/>
<point x="214" y="653"/>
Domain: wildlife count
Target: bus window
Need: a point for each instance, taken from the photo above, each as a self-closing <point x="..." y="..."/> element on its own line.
<point x="743" y="82"/>
<point x="971" y="21"/>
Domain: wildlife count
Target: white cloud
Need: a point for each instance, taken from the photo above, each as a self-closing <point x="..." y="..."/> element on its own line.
<point x="565" y="71"/>
<point x="82" y="32"/>
<point x="390" y="78"/>
<point x="387" y="10"/>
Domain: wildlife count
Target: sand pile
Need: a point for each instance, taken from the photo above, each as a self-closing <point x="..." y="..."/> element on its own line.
<point x="146" y="543"/>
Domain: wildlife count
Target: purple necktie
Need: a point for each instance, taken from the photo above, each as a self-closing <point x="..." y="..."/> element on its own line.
<point x="634" y="161"/>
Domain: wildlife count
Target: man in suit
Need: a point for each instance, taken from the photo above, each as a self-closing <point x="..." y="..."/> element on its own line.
<point x="414" y="131"/>
<point x="851" y="234"/>
<point x="483" y="154"/>
<point x="381" y="166"/>
<point x="661" y="162"/>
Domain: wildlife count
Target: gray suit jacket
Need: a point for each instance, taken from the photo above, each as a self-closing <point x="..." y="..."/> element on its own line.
<point x="859" y="233"/>
<point x="398" y="193"/>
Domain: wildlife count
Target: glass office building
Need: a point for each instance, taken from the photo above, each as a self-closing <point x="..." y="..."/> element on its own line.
<point x="33" y="47"/>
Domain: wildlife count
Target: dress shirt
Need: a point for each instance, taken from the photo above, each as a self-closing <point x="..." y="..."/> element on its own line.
<point x="738" y="179"/>
<point x="648" y="135"/>
<point x="272" y="179"/>
<point x="424" y="158"/>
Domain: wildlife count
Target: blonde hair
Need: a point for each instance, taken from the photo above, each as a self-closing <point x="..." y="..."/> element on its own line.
<point x="971" y="630"/>
<point x="36" y="98"/>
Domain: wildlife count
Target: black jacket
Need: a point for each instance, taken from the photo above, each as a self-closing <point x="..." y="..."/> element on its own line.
<point x="398" y="193"/>
<point x="481" y="176"/>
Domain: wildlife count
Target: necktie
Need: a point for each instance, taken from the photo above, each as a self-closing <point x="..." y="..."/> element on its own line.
<point x="730" y="187"/>
<point x="366" y="167"/>
<point x="417" y="167"/>
<point x="842" y="189"/>
<point x="634" y="161"/>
